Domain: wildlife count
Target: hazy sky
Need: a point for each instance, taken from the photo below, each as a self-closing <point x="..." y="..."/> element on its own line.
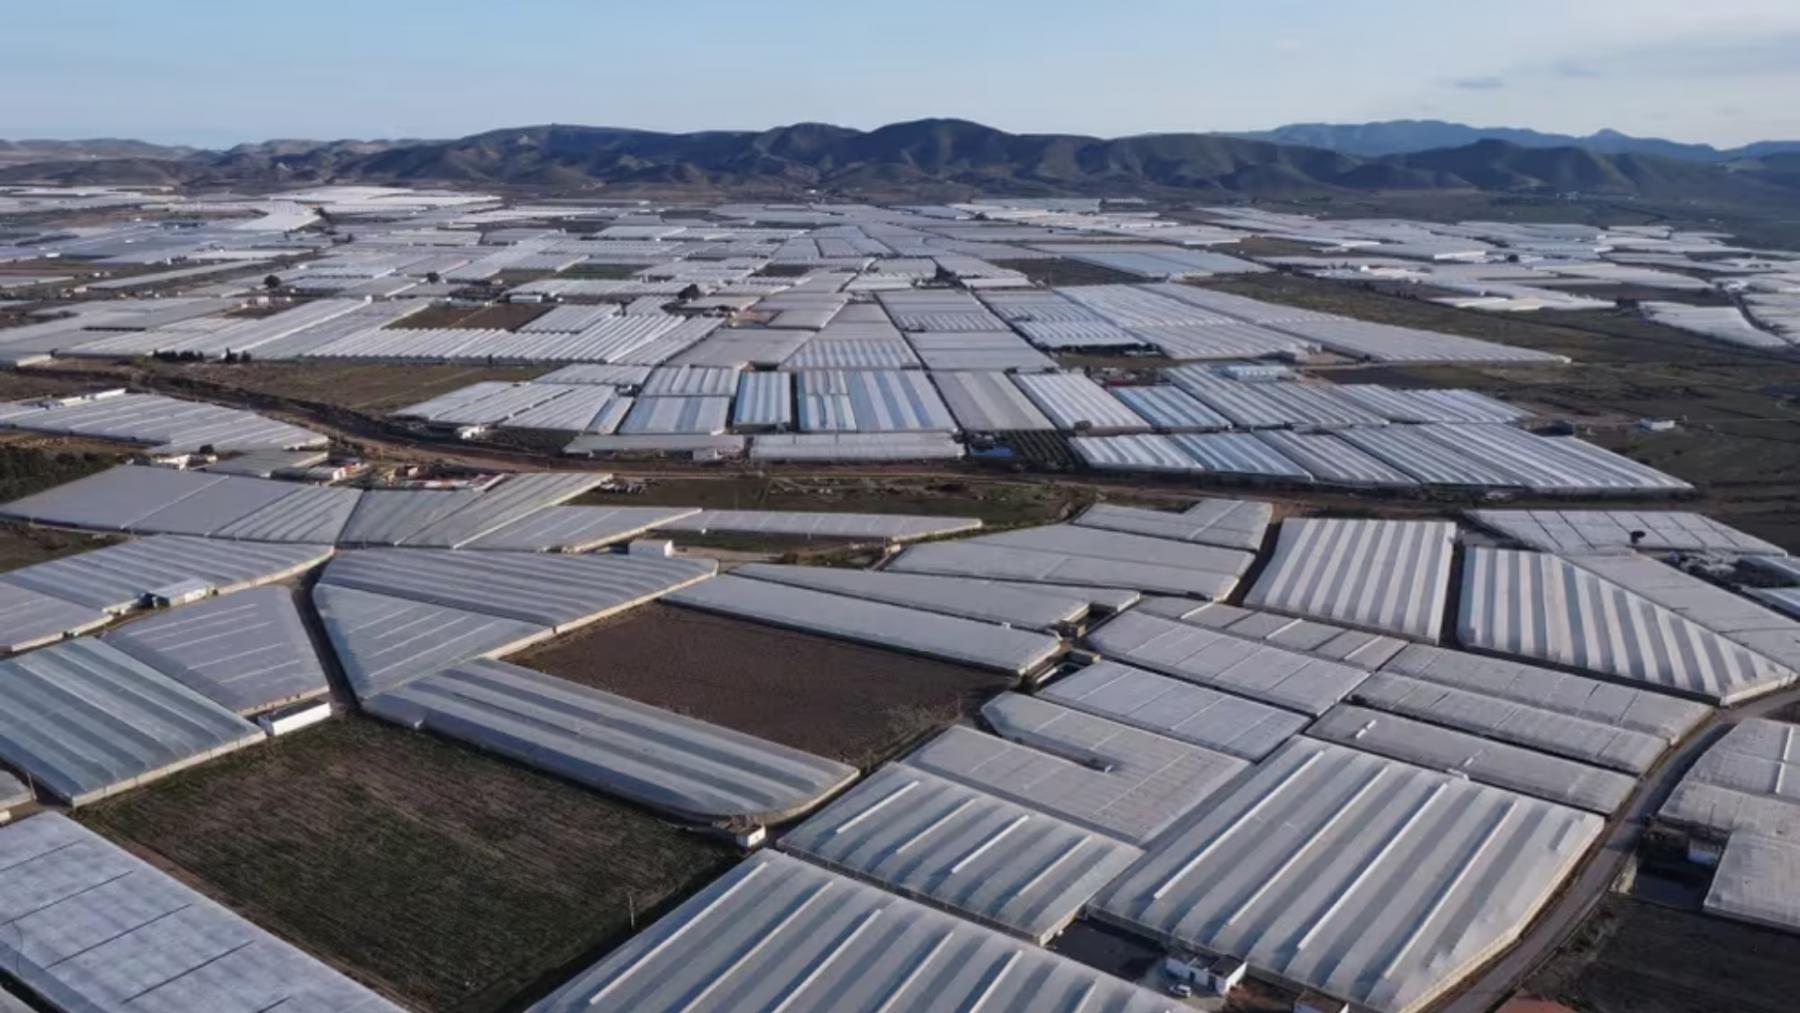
<point x="210" y="72"/>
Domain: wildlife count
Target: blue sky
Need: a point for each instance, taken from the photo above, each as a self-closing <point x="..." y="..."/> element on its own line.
<point x="210" y="72"/>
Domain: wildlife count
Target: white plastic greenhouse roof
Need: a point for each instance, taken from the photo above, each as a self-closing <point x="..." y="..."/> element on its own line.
<point x="1386" y="576"/>
<point x="1181" y="710"/>
<point x="514" y="499"/>
<point x="545" y="589"/>
<point x="1139" y="452"/>
<point x="31" y="618"/>
<point x="1738" y="619"/>
<point x="1244" y="667"/>
<point x="1333" y="461"/>
<point x="1591" y="530"/>
<point x="985" y="402"/>
<point x="873" y="622"/>
<point x="690" y="768"/>
<point x="823" y="524"/>
<point x="1122" y="546"/>
<point x="390" y="516"/>
<point x="778" y="932"/>
<point x="384" y="641"/>
<point x="1746" y="783"/>
<point x="1321" y="640"/>
<point x="1540" y="606"/>
<point x="87" y="721"/>
<point x="1230" y="523"/>
<point x="1370" y="880"/>
<point x="101" y="929"/>
<point x="1015" y="563"/>
<point x="1667" y="717"/>
<point x="1501" y="764"/>
<point x="309" y="513"/>
<point x="1072" y="401"/>
<point x="1524" y="724"/>
<point x="247" y="652"/>
<point x="1758" y="881"/>
<point x="995" y="862"/>
<point x="577" y="528"/>
<point x="957" y="596"/>
<point x="1171" y="409"/>
<point x="1238" y="454"/>
<point x="117" y="577"/>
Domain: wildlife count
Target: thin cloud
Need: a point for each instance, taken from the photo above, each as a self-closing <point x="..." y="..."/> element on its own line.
<point x="1569" y="68"/>
<point x="1478" y="83"/>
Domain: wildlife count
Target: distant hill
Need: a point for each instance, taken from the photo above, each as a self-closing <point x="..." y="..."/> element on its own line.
<point x="1399" y="137"/>
<point x="950" y="155"/>
<point x="104" y="147"/>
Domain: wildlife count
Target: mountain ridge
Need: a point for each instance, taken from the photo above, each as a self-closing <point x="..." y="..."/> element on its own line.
<point x="937" y="153"/>
<point x="1397" y="137"/>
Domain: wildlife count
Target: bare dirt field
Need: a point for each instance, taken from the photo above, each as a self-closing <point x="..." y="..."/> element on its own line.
<point x="857" y="704"/>
<point x="1065" y="271"/>
<point x="499" y="316"/>
<point x="18" y="385"/>
<point x="448" y="878"/>
<point x="23" y="545"/>
<point x="371" y="388"/>
<point x="1636" y="957"/>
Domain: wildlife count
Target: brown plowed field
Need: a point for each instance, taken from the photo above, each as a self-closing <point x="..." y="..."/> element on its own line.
<point x="857" y="704"/>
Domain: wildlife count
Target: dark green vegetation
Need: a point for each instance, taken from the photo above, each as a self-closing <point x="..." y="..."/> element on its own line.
<point x="938" y="153"/>
<point x="25" y="470"/>
<point x="450" y="879"/>
<point x="1632" y="956"/>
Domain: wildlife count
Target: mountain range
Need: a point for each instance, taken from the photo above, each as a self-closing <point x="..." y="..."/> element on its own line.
<point x="1396" y="137"/>
<point x="936" y="156"/>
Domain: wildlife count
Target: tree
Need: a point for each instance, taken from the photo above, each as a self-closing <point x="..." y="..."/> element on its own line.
<point x="271" y="283"/>
<point x="433" y="278"/>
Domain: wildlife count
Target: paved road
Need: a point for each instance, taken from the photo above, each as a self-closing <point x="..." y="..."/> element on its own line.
<point x="1566" y="913"/>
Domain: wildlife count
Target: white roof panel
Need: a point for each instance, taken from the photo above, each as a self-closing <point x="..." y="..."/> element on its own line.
<point x="1230" y="523"/>
<point x="101" y="929"/>
<point x="779" y="932"/>
<point x="86" y="720"/>
<point x="1386" y="576"/>
<point x="984" y="402"/>
<point x="1368" y="879"/>
<point x="651" y="756"/>
<point x="1074" y="402"/>
<point x="1626" y="707"/>
<point x="993" y="861"/>
<point x="873" y="622"/>
<point x="547" y="589"/>
<point x="247" y="652"/>
<point x="1535" y="605"/>
<point x="1746" y="783"/>
<point x="1247" y="668"/>
<point x="822" y="524"/>
<point x="1500" y="764"/>
<point x="117" y="577"/>
<point x="1600" y="530"/>
<point x="1194" y="714"/>
<point x="972" y="599"/>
